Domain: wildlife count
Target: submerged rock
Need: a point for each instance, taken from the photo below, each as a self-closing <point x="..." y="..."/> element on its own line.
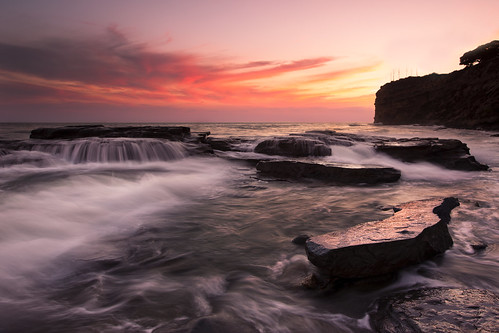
<point x="411" y="236"/>
<point x="437" y="310"/>
<point x="450" y="153"/>
<point x="293" y="147"/>
<point x="85" y="131"/>
<point x="329" y="172"/>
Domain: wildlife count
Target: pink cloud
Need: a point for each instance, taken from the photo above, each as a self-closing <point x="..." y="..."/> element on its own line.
<point x="112" y="69"/>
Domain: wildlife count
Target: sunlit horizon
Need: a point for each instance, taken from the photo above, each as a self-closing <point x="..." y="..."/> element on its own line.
<point x="123" y="61"/>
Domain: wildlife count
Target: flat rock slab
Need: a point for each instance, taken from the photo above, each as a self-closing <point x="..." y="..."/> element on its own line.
<point x="438" y="310"/>
<point x="329" y="172"/>
<point x="85" y="131"/>
<point x="412" y="235"/>
<point x="450" y="153"/>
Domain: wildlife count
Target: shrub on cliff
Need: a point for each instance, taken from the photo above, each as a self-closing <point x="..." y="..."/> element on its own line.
<point x="481" y="53"/>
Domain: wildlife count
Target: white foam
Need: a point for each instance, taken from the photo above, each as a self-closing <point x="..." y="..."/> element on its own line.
<point x="365" y="154"/>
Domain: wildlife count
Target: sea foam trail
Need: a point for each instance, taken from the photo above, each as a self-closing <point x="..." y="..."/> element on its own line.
<point x="49" y="220"/>
<point x="365" y="154"/>
<point x="113" y="150"/>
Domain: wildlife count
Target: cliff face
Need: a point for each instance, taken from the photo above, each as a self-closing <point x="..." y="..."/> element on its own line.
<point x="468" y="98"/>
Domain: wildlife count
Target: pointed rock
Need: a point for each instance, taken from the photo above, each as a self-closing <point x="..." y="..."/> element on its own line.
<point x="411" y="236"/>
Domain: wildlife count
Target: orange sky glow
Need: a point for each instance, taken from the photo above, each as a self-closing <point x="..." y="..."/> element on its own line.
<point x="177" y="61"/>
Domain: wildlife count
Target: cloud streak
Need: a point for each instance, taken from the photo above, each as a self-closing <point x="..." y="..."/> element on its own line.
<point x="112" y="69"/>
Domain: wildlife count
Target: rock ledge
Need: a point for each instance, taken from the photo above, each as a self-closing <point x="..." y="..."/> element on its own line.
<point x="415" y="233"/>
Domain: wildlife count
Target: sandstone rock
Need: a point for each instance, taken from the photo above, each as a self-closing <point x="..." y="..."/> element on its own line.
<point x="411" y="236"/>
<point x="468" y="98"/>
<point x="437" y="310"/>
<point x="450" y="153"/>
<point x="337" y="173"/>
<point x="293" y="147"/>
<point x="85" y="131"/>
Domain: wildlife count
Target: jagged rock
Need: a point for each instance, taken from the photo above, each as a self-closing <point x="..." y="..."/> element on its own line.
<point x="468" y="98"/>
<point x="85" y="131"/>
<point x="293" y="147"/>
<point x="329" y="172"/>
<point x="437" y="310"/>
<point x="450" y="153"/>
<point x="411" y="236"/>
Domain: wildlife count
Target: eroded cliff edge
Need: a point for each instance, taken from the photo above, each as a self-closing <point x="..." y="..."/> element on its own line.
<point x="467" y="98"/>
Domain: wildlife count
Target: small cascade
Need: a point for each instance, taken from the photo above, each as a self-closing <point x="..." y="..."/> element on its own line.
<point x="105" y="150"/>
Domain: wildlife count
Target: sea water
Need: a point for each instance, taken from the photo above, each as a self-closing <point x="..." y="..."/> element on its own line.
<point x="138" y="235"/>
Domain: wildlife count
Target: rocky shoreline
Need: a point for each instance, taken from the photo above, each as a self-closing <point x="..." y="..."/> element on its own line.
<point x="418" y="231"/>
<point x="467" y="98"/>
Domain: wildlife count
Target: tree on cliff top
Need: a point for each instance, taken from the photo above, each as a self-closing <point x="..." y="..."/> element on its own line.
<point x="481" y="53"/>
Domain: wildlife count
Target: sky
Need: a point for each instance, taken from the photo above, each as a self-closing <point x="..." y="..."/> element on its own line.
<point x="224" y="60"/>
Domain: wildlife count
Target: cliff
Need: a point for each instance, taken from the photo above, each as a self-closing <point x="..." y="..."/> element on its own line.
<point x="467" y="98"/>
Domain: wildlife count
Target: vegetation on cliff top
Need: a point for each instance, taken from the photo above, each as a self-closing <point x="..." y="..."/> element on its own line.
<point x="482" y="53"/>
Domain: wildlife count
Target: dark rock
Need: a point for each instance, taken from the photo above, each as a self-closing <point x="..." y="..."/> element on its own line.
<point x="468" y="98"/>
<point x="329" y="172"/>
<point x="294" y="147"/>
<point x="220" y="144"/>
<point x="85" y="131"/>
<point x="300" y="239"/>
<point x="450" y="153"/>
<point x="444" y="209"/>
<point x="347" y="138"/>
<point x="411" y="236"/>
<point x="312" y="281"/>
<point x="479" y="247"/>
<point x="331" y="137"/>
<point x="201" y="136"/>
<point x="437" y="310"/>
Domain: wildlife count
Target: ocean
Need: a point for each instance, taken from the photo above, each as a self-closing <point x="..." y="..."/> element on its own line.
<point x="151" y="238"/>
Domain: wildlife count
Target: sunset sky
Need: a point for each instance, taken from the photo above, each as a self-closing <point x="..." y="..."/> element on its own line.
<point x="194" y="60"/>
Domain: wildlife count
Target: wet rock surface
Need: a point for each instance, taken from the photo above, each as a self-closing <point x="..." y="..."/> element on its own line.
<point x="101" y="131"/>
<point x="293" y="147"/>
<point x="412" y="235"/>
<point x="437" y="310"/>
<point x="450" y="153"/>
<point x="337" y="173"/>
